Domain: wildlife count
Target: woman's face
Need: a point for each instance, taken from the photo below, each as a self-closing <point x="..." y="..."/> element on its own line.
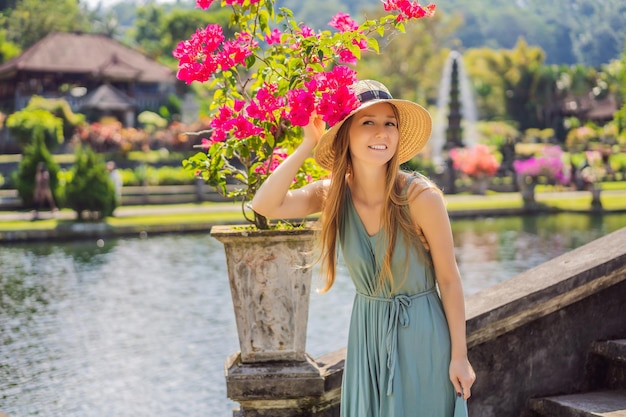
<point x="374" y="134"/>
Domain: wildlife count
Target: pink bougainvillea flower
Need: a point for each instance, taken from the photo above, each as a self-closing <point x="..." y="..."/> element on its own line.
<point x="196" y="62"/>
<point x="222" y="123"/>
<point x="335" y="105"/>
<point x="278" y="156"/>
<point x="343" y="23"/>
<point x="347" y="57"/>
<point x="236" y="51"/>
<point x="239" y="105"/>
<point x="204" y="4"/>
<point x="408" y="9"/>
<point x="273" y="37"/>
<point x="343" y="75"/>
<point x="306" y="31"/>
<point x="301" y="106"/>
<point x="263" y="107"/>
<point x="339" y="75"/>
<point x="193" y="71"/>
<point x="244" y="128"/>
<point x="206" y="143"/>
<point x="336" y="99"/>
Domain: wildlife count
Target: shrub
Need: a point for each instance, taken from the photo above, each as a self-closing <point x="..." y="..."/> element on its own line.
<point x="548" y="165"/>
<point x="90" y="189"/>
<point x="578" y="139"/>
<point x="496" y="133"/>
<point x="475" y="161"/>
<point x="174" y="176"/>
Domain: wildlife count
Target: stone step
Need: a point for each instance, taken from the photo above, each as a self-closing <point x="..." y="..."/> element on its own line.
<point x="613" y="350"/>
<point x="588" y="404"/>
<point x="606" y="368"/>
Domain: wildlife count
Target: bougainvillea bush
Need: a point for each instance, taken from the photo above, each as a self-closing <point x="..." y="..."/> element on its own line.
<point x="476" y="161"/>
<point x="267" y="82"/>
<point x="548" y="165"/>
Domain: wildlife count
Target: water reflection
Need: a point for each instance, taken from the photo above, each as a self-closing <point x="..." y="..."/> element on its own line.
<point x="141" y="327"/>
<point x="494" y="249"/>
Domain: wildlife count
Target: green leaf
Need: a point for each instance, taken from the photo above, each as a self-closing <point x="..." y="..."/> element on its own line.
<point x="264" y="18"/>
<point x="250" y="60"/>
<point x="372" y="43"/>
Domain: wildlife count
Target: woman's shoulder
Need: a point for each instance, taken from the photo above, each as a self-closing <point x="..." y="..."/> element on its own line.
<point x="416" y="184"/>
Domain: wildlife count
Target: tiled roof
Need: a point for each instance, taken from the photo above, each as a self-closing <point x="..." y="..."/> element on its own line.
<point x="85" y="53"/>
<point x="107" y="97"/>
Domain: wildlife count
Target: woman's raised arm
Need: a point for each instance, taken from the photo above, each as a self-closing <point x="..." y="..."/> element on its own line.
<point x="274" y="199"/>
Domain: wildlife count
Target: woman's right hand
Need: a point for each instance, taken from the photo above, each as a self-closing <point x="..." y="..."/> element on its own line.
<point x="314" y="130"/>
<point x="274" y="199"/>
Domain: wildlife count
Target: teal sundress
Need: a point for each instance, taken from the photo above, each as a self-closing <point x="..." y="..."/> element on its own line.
<point x="398" y="354"/>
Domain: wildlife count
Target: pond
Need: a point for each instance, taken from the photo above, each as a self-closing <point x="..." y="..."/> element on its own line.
<point x="142" y="327"/>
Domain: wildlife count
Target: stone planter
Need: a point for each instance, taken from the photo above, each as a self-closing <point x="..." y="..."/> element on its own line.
<point x="480" y="184"/>
<point x="596" y="202"/>
<point x="270" y="287"/>
<point x="527" y="189"/>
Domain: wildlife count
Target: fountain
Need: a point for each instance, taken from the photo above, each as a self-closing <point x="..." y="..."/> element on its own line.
<point x="455" y="88"/>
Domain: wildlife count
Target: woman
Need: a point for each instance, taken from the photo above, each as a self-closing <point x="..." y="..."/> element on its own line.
<point x="42" y="194"/>
<point x="407" y="353"/>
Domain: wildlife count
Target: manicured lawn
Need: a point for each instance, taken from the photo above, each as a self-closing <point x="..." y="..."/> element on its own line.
<point x="214" y="217"/>
<point x="583" y="202"/>
<point x="147" y="220"/>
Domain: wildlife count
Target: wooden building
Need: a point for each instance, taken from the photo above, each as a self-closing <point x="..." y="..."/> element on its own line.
<point x="97" y="75"/>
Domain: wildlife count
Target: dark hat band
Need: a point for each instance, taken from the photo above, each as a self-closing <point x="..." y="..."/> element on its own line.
<point x="373" y="95"/>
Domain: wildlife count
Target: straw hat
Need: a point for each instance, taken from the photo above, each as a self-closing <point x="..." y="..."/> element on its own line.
<point x="414" y="126"/>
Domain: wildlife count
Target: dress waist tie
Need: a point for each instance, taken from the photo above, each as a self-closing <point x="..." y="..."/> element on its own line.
<point x="398" y="314"/>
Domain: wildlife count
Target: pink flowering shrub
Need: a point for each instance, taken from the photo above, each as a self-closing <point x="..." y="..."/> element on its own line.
<point x="476" y="161"/>
<point x="268" y="81"/>
<point x="594" y="170"/>
<point x="549" y="165"/>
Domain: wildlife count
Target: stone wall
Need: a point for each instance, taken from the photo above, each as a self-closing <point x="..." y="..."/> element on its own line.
<point x="529" y="336"/>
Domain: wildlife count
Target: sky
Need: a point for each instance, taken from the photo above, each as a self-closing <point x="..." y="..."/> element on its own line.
<point x="108" y="3"/>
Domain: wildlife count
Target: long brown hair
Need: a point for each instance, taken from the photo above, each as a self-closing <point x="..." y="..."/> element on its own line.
<point x="394" y="215"/>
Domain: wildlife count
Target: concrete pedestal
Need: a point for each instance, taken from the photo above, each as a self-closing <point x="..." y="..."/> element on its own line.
<point x="309" y="388"/>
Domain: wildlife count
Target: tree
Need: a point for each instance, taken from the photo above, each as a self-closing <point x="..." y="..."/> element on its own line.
<point x="8" y="49"/>
<point x="90" y="189"/>
<point x="513" y="77"/>
<point x="26" y="126"/>
<point x="61" y="109"/>
<point x="411" y="64"/>
<point x="181" y="23"/>
<point x="32" y="20"/>
<point x="148" y="29"/>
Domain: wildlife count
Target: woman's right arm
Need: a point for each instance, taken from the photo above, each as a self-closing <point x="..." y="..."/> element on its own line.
<point x="275" y="200"/>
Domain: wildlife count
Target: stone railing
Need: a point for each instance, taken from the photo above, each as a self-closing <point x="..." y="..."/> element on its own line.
<point x="529" y="336"/>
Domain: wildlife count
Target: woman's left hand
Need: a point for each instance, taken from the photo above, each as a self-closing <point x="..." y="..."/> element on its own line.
<point x="462" y="376"/>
